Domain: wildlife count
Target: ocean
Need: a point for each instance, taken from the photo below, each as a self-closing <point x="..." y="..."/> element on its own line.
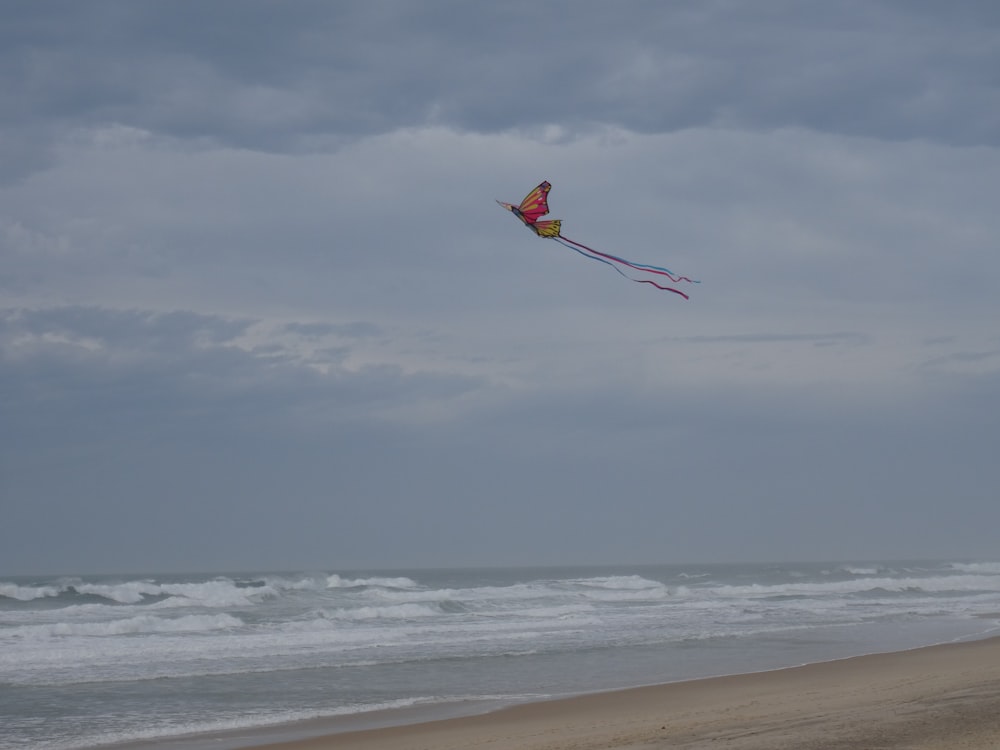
<point x="225" y="660"/>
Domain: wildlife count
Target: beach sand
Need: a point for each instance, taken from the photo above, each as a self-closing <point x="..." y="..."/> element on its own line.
<point x="937" y="698"/>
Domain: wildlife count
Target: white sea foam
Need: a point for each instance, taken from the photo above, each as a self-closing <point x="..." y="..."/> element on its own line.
<point x="125" y="593"/>
<point x="27" y="593"/>
<point x="306" y="583"/>
<point x="218" y="593"/>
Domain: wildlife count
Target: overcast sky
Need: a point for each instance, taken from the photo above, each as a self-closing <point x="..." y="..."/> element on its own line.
<point x="259" y="309"/>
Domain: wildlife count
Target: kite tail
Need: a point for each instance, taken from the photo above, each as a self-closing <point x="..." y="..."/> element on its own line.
<point x="586" y="253"/>
<point x="637" y="266"/>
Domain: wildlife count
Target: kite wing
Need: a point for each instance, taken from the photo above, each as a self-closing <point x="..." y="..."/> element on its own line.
<point x="548" y="228"/>
<point x="536" y="205"/>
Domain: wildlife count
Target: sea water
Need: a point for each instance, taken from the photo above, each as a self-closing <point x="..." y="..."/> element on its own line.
<point x="209" y="660"/>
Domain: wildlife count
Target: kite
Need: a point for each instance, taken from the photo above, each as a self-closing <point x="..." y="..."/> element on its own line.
<point x="536" y="204"/>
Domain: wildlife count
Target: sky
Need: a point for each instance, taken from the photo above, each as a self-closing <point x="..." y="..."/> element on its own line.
<point x="259" y="309"/>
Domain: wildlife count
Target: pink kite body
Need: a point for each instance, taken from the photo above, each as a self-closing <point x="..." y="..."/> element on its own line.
<point x="536" y="205"/>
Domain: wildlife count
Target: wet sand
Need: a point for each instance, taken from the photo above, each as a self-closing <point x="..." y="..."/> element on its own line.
<point x="937" y="698"/>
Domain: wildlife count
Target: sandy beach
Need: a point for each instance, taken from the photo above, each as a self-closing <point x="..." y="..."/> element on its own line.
<point x="937" y="698"/>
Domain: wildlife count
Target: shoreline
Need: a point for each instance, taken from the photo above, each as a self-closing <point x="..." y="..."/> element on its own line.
<point x="935" y="698"/>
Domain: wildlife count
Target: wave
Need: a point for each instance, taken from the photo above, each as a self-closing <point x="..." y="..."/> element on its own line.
<point x="633" y="582"/>
<point x="985" y="568"/>
<point x="128" y="626"/>
<point x="856" y="570"/>
<point x="371" y="598"/>
<point x="392" y="612"/>
<point x="608" y="589"/>
<point x="257" y="721"/>
<point x="123" y="593"/>
<point x="961" y="584"/>
<point x="335" y="581"/>
<point x="221" y="592"/>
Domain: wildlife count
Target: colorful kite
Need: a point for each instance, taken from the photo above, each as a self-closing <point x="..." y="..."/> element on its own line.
<point x="536" y="205"/>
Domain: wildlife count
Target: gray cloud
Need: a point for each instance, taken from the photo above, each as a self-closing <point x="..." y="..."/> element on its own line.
<point x="102" y="363"/>
<point x="305" y="75"/>
<point x="819" y="339"/>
